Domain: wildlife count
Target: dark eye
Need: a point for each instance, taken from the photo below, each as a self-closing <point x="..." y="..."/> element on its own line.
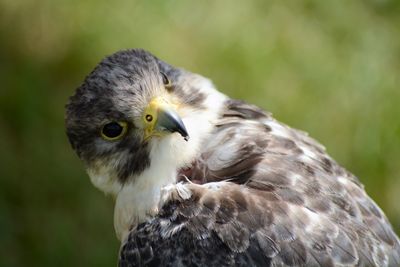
<point x="113" y="130"/>
<point x="166" y="81"/>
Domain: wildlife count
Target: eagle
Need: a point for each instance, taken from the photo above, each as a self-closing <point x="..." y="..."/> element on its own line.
<point x="200" y="179"/>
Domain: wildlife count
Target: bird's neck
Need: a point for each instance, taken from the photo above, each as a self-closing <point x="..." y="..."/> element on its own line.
<point x="139" y="198"/>
<point x="138" y="202"/>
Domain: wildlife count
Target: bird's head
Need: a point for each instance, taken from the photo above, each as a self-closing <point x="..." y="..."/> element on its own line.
<point x="136" y="114"/>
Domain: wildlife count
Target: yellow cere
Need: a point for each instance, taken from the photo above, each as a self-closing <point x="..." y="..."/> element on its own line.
<point x="150" y="115"/>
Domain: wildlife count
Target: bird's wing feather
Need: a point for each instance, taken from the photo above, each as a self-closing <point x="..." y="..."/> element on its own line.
<point x="269" y="195"/>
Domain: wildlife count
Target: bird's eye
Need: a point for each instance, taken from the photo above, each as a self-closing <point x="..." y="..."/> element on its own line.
<point x="166" y="81"/>
<point x="114" y="130"/>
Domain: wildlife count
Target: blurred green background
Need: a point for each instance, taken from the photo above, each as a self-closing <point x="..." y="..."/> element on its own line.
<point x="331" y="68"/>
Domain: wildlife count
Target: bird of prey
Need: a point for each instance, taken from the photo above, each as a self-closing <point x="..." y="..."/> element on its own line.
<point x="200" y="179"/>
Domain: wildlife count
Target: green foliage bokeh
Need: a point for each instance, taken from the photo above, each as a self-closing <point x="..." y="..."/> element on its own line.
<point x="331" y="68"/>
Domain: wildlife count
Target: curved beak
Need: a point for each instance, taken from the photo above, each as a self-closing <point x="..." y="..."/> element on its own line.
<point x="169" y="120"/>
<point x="161" y="118"/>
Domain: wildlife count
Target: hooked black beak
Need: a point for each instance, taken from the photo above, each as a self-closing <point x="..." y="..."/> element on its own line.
<point x="169" y="120"/>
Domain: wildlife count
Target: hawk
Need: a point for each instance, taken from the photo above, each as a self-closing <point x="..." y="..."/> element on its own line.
<point x="200" y="179"/>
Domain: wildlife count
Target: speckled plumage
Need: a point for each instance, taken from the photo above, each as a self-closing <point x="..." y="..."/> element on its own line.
<point x="255" y="192"/>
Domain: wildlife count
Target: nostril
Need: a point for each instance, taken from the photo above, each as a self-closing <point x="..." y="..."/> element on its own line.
<point x="149" y="118"/>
